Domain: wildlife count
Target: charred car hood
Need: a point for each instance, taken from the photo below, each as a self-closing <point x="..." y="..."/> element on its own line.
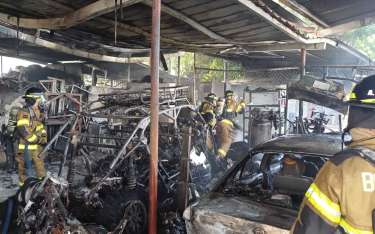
<point x="321" y="92"/>
<point x="218" y="213"/>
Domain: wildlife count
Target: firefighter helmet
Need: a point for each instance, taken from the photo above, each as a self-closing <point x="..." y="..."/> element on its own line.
<point x="362" y="104"/>
<point x="33" y="92"/>
<point x="211" y="97"/>
<point x="363" y="93"/>
<point x="229" y="93"/>
<point x="32" y="95"/>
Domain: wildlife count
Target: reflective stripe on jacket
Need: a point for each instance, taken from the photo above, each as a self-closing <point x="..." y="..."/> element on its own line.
<point x="342" y="197"/>
<point x="30" y="130"/>
<point x="29" y="147"/>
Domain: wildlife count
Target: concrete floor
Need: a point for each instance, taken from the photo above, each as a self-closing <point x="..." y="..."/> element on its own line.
<point x="9" y="181"/>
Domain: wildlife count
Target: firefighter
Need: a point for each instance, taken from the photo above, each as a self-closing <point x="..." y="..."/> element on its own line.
<point x="10" y="137"/>
<point x="342" y="197"/>
<point x="207" y="109"/>
<point x="32" y="135"/>
<point x="226" y="126"/>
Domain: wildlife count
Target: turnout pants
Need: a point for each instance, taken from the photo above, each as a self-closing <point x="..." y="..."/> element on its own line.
<point x="224" y="131"/>
<point x="22" y="164"/>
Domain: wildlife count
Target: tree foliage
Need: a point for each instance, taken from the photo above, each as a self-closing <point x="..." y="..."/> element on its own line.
<point x="203" y="61"/>
<point x="362" y="39"/>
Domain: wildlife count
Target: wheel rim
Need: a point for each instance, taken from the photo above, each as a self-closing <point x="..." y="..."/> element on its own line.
<point x="136" y="215"/>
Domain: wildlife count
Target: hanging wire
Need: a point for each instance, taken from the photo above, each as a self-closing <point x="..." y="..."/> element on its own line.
<point x="115" y="22"/>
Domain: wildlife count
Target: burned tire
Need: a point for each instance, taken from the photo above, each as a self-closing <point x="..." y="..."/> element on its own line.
<point x="121" y="205"/>
<point x="135" y="213"/>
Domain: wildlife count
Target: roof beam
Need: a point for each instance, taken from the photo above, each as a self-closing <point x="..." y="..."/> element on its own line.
<point x="273" y="19"/>
<point x="183" y="45"/>
<point x="276" y="47"/>
<point x="301" y="13"/>
<point x="286" y="47"/>
<point x="64" y="49"/>
<point x="189" y="21"/>
<point x="76" y="17"/>
<point x="342" y="28"/>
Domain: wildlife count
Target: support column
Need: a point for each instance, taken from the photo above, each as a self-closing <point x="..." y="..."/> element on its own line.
<point x="94" y="78"/>
<point x="225" y="76"/>
<point x="183" y="185"/>
<point x="303" y="73"/>
<point x="194" y="82"/>
<point x="129" y="65"/>
<point x="154" y="136"/>
<point x="178" y="69"/>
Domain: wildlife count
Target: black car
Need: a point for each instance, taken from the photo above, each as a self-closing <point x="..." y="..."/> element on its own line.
<point x="262" y="193"/>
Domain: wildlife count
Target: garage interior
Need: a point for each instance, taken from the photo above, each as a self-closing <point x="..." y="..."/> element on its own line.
<point x="128" y="149"/>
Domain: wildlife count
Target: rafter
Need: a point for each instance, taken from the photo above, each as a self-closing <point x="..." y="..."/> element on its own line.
<point x="79" y="16"/>
<point x="67" y="50"/>
<point x="274" y="20"/>
<point x="167" y="40"/>
<point x="188" y="20"/>
<point x="276" y="47"/>
<point x="286" y="47"/>
<point x="301" y="13"/>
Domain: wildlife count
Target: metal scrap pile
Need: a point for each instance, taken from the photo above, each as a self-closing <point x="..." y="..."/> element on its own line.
<point x="106" y="155"/>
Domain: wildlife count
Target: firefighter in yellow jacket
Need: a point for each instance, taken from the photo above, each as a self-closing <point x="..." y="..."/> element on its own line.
<point x="207" y="109"/>
<point x="32" y="135"/>
<point x="342" y="197"/>
<point x="225" y="127"/>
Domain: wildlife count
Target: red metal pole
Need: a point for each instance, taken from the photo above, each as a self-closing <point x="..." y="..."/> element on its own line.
<point x="155" y="58"/>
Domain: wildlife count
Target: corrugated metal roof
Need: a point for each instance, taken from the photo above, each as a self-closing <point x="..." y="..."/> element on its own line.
<point x="227" y="18"/>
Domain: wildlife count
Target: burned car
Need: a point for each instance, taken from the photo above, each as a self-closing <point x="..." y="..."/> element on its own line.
<point x="262" y="193"/>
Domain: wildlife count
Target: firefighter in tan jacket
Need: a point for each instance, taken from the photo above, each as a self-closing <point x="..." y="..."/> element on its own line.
<point x="342" y="197"/>
<point x="32" y="135"/>
<point x="207" y="109"/>
<point x="225" y="127"/>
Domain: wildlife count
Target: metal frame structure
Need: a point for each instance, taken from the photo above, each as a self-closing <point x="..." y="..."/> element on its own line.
<point x="138" y="137"/>
<point x="170" y="103"/>
<point x="166" y="107"/>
